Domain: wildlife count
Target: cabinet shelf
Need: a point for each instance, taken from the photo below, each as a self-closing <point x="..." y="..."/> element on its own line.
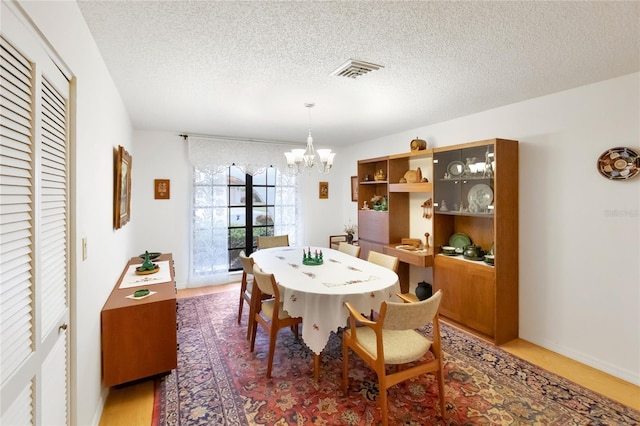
<point x="460" y="258"/>
<point x="464" y="178"/>
<point x="411" y="187"/>
<point x="455" y="213"/>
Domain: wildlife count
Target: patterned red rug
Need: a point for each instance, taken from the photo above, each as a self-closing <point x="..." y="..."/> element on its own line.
<point x="218" y="381"/>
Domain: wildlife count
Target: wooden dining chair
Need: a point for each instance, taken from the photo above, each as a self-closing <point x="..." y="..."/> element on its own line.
<point x="388" y="261"/>
<point x="349" y="249"/>
<point x="334" y="240"/>
<point x="393" y="340"/>
<point x="274" y="241"/>
<point x="246" y="290"/>
<point x="270" y="314"/>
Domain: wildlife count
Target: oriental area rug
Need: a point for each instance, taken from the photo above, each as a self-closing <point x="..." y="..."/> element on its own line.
<point x="219" y="382"/>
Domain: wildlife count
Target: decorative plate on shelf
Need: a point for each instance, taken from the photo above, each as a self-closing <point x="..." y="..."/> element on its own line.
<point x="619" y="163"/>
<point x="411" y="176"/>
<point x="455" y="168"/>
<point x="459" y="240"/>
<point x="481" y="195"/>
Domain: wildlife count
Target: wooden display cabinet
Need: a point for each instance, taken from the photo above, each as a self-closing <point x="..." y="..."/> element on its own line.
<point x="478" y="296"/>
<point x="382" y="231"/>
<point x="139" y="337"/>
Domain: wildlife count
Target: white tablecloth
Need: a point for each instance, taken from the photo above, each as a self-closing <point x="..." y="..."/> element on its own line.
<point x="317" y="293"/>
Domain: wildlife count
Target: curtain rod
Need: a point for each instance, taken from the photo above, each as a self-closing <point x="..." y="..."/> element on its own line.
<point x="233" y="139"/>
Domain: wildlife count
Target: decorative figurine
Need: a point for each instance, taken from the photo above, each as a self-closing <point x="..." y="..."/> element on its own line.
<point x="308" y="259"/>
<point x="488" y="168"/>
<point x="427" y="207"/>
<point x="443" y="207"/>
<point x="147" y="267"/>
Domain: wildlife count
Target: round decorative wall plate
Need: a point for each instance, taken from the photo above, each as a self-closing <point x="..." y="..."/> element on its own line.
<point x="619" y="163"/>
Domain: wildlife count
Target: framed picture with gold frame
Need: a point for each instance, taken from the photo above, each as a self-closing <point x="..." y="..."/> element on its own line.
<point x="354" y="188"/>
<point x="323" y="190"/>
<point x="162" y="189"/>
<point x="122" y="201"/>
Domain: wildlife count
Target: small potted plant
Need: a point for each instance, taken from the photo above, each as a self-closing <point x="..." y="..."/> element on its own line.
<point x="350" y="229"/>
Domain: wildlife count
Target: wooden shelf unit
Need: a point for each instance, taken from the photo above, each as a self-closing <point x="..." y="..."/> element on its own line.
<point x="139" y="337"/>
<point x="382" y="231"/>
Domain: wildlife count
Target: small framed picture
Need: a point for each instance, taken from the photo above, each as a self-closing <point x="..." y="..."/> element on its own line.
<point x="122" y="204"/>
<point x="162" y="189"/>
<point x="323" y="190"/>
<point x="354" y="188"/>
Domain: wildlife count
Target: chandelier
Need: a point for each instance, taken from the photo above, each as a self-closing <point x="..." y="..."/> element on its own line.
<point x="300" y="159"/>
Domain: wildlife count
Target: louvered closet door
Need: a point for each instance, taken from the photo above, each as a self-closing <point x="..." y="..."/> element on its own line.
<point x="34" y="230"/>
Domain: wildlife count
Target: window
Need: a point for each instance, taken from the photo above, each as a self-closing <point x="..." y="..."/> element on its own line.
<point x="226" y="220"/>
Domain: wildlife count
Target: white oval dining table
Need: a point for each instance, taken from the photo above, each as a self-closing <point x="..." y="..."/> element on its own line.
<point x="317" y="293"/>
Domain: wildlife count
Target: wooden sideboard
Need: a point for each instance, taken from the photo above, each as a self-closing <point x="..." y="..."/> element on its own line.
<point x="139" y="337"/>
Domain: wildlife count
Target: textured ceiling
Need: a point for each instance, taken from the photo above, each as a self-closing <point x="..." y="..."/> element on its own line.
<point x="246" y="69"/>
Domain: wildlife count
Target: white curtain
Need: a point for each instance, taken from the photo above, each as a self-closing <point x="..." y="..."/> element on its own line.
<point x="250" y="157"/>
<point x="211" y="159"/>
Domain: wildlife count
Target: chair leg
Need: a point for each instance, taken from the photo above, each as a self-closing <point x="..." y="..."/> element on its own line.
<point x="440" y="374"/>
<point x="345" y="364"/>
<point x="241" y="303"/>
<point x="254" y="330"/>
<point x="273" y="333"/>
<point x="383" y="402"/>
<point x="252" y="316"/>
<point x="296" y="331"/>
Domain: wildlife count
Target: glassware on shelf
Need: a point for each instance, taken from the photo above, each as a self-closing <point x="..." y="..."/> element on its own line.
<point x="488" y="167"/>
<point x="468" y="165"/>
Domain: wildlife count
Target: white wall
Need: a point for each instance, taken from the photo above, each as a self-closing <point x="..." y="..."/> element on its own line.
<point x="162" y="225"/>
<point x="101" y="124"/>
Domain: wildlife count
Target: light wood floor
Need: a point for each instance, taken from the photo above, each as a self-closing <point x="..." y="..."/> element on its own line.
<point x="133" y="404"/>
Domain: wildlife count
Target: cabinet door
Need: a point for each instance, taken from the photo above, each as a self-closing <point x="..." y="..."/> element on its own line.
<point x="373" y="226"/>
<point x="468" y="293"/>
<point x="447" y="277"/>
<point x="478" y="301"/>
<point x="464" y="181"/>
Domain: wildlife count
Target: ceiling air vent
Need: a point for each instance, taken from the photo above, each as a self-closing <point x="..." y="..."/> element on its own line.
<point x="354" y="69"/>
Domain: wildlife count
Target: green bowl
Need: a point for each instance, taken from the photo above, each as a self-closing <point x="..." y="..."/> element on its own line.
<point x="152" y="255"/>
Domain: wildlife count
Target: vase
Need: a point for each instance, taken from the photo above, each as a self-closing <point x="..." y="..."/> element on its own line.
<point x="350" y="238"/>
<point x="424" y="290"/>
